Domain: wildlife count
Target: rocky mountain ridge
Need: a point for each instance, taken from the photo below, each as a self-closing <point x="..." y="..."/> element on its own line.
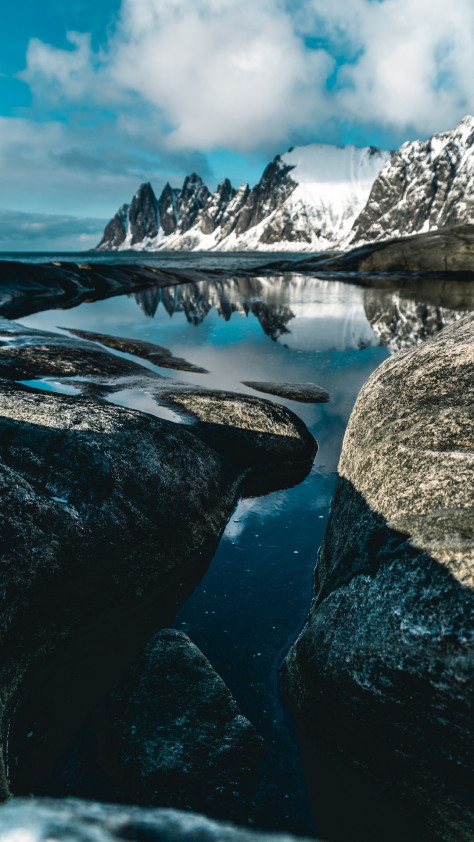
<point x="425" y="186"/>
<point x="305" y="199"/>
<point x="313" y="198"/>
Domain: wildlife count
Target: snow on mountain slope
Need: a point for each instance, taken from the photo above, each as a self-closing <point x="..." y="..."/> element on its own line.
<point x="426" y="185"/>
<point x="306" y="200"/>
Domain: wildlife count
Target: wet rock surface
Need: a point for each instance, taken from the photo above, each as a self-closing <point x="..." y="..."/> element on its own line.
<point x="301" y="392"/>
<point x="109" y="518"/>
<point x="170" y="735"/>
<point x="384" y="667"/>
<point x="155" y="354"/>
<point x="44" y="819"/>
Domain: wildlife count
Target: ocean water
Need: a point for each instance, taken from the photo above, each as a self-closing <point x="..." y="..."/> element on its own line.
<point x="229" y="261"/>
<point x="252" y="602"/>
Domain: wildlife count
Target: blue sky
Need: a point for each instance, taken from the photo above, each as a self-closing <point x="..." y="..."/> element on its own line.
<point x="97" y="96"/>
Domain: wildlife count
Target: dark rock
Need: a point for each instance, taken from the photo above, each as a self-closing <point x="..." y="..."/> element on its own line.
<point x="155" y="354"/>
<point x="256" y="435"/>
<point x="28" y="287"/>
<point x="143" y="215"/>
<point x="385" y="665"/>
<point x="302" y="392"/>
<point x="109" y="517"/>
<point x="44" y="819"/>
<point x="216" y="206"/>
<point x="172" y="735"/>
<point x="92" y="538"/>
<point x="448" y="252"/>
<point x="168" y="206"/>
<point x="193" y="198"/>
<point x="271" y="191"/>
<point x="116" y="230"/>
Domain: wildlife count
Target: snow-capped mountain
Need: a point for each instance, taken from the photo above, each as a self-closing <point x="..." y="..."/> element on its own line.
<point x="307" y="199"/>
<point x="425" y="185"/>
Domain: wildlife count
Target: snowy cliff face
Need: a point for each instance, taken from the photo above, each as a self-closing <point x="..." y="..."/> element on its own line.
<point x="426" y="185"/>
<point x="307" y="199"/>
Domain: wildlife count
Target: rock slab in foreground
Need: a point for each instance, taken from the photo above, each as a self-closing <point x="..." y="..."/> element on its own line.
<point x="301" y="392"/>
<point x="172" y="734"/>
<point x="46" y="819"/>
<point x="385" y="664"/>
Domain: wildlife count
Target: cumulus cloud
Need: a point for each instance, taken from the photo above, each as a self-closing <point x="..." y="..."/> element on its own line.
<point x="412" y="65"/>
<point x="241" y="74"/>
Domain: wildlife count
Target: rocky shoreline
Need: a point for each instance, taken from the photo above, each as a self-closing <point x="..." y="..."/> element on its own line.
<point x="110" y="517"/>
<point x="384" y="668"/>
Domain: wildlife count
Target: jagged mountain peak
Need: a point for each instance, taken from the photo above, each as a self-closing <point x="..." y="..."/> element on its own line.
<point x="427" y="184"/>
<point x="306" y="198"/>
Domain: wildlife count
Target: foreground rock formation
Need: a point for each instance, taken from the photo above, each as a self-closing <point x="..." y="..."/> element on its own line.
<point x="45" y="819"/>
<point x="109" y="518"/>
<point x="385" y="665"/>
<point x="172" y="735"/>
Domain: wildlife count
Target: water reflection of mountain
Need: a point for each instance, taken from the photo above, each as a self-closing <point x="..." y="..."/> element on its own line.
<point x="270" y="305"/>
<point x="290" y="306"/>
<point x="401" y="322"/>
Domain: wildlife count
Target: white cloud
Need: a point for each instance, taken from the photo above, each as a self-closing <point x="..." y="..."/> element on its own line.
<point x="235" y="73"/>
<point x="414" y="61"/>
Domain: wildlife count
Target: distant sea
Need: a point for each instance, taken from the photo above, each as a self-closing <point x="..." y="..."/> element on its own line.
<point x="229" y="260"/>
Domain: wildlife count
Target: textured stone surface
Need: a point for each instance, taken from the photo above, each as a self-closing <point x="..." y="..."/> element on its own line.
<point x="155" y="354"/>
<point x="72" y="820"/>
<point x="108" y="519"/>
<point x="447" y="251"/>
<point x="426" y="184"/>
<point x="385" y="663"/>
<point x="172" y="735"/>
<point x="302" y="392"/>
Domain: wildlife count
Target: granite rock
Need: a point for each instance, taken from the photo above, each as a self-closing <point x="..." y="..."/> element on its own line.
<point x="172" y="735"/>
<point x="385" y="664"/>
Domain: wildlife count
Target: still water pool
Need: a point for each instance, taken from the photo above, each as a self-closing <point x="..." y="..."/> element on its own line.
<point x="252" y="602"/>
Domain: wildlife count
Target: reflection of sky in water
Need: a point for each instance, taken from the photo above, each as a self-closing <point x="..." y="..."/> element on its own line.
<point x="253" y="601"/>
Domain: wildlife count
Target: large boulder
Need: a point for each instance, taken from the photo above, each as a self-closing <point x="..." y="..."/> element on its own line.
<point x="169" y="735"/>
<point x="109" y="517"/>
<point x="384" y="667"/>
<point x="46" y="819"/>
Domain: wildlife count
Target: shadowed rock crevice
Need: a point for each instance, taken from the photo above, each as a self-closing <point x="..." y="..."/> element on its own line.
<point x="169" y="735"/>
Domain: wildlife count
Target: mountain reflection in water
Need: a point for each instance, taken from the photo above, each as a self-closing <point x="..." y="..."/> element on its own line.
<point x="281" y="304"/>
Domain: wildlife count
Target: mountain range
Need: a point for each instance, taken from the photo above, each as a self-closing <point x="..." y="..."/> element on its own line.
<point x="313" y="198"/>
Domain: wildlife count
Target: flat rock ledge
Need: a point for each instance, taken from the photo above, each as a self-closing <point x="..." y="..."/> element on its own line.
<point x="384" y="667"/>
<point x="46" y="819"/>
